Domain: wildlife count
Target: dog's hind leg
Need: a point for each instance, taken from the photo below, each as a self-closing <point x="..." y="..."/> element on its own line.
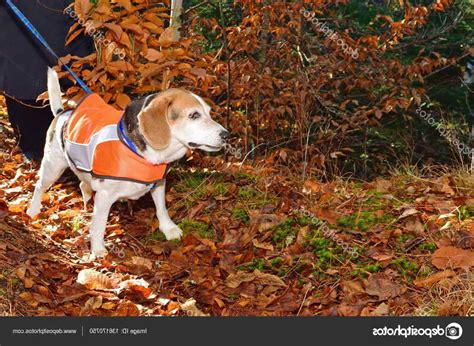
<point x="86" y="191"/>
<point x="53" y="165"/>
<point x="102" y="203"/>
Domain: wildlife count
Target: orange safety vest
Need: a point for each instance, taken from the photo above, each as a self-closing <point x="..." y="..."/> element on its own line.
<point x="95" y="143"/>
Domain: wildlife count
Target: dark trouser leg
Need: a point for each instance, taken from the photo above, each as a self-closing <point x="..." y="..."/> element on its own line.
<point x="31" y="125"/>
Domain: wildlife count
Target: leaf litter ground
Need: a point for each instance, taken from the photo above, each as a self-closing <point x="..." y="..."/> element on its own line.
<point x="255" y="243"/>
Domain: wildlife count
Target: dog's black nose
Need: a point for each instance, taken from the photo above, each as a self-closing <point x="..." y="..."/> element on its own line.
<point x="225" y="135"/>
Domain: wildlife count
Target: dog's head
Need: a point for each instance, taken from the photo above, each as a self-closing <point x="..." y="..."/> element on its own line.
<point x="183" y="116"/>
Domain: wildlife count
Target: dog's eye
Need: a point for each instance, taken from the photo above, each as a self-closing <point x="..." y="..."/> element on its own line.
<point x="194" y="115"/>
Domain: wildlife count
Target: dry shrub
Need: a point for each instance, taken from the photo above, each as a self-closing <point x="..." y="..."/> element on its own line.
<point x="277" y="82"/>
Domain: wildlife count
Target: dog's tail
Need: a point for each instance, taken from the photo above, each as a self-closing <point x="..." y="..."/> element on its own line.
<point x="54" y="92"/>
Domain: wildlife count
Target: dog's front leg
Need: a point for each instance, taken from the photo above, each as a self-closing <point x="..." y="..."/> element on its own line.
<point x="102" y="204"/>
<point x="167" y="226"/>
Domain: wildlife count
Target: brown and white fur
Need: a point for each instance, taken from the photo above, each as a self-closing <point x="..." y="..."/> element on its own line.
<point x="163" y="127"/>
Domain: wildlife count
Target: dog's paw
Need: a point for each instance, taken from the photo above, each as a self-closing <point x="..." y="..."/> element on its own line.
<point x="172" y="232"/>
<point x="33" y="211"/>
<point x="99" y="252"/>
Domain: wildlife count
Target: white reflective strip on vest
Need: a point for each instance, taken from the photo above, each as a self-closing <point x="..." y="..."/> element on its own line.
<point x="82" y="155"/>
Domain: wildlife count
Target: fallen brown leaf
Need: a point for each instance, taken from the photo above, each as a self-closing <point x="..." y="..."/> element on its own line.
<point x="262" y="245"/>
<point x="429" y="281"/>
<point x="142" y="262"/>
<point x="94" y="303"/>
<point x="127" y="308"/>
<point x="452" y="257"/>
<point x="268" y="279"/>
<point x="383" y="287"/>
<point x="408" y="212"/>
<point x="95" y="280"/>
<point x="235" y="280"/>
<point x="381" y="310"/>
<point x="349" y="309"/>
<point x="352" y="288"/>
<point x="311" y="186"/>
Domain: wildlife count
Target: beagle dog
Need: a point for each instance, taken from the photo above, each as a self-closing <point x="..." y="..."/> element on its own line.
<point x="159" y="129"/>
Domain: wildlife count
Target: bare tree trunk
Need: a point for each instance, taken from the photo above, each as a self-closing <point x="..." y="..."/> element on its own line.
<point x="471" y="137"/>
<point x="471" y="144"/>
<point x="175" y="22"/>
<point x="228" y="63"/>
<point x="264" y="43"/>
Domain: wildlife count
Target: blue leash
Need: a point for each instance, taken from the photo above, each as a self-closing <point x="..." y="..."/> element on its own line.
<point x="41" y="39"/>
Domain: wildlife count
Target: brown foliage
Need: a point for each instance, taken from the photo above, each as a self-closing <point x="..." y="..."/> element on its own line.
<point x="136" y="53"/>
<point x="277" y="81"/>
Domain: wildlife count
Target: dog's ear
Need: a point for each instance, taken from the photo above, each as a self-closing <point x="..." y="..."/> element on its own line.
<point x="153" y="122"/>
<point x="136" y="106"/>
